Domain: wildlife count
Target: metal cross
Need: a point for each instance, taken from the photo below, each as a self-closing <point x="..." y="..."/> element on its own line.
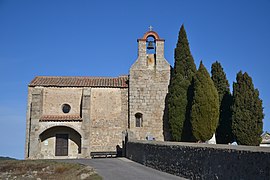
<point x="150" y="28"/>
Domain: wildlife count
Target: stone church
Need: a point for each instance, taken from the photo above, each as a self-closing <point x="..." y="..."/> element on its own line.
<point x="70" y="117"/>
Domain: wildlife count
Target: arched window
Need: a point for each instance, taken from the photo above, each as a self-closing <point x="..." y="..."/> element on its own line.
<point x="139" y="119"/>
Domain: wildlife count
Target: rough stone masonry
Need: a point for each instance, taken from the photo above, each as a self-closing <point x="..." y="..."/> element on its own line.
<point x="202" y="161"/>
<point x="70" y="117"/>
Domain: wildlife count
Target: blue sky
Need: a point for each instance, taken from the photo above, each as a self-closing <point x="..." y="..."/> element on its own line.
<point x="99" y="38"/>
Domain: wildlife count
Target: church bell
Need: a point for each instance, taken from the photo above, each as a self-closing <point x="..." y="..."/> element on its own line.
<point x="150" y="45"/>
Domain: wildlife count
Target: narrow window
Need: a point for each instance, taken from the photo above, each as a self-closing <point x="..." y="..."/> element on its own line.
<point x="139" y="119"/>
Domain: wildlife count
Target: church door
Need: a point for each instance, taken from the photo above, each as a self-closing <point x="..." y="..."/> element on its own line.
<point x="61" y="145"/>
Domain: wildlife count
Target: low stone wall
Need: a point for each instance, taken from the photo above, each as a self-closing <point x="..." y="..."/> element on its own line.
<point x="202" y="161"/>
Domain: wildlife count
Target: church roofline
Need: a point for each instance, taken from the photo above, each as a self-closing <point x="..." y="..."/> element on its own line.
<point x="79" y="81"/>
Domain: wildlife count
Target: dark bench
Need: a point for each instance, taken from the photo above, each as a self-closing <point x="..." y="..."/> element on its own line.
<point x="103" y="154"/>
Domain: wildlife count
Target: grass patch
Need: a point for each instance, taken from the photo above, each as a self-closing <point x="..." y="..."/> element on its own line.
<point x="45" y="169"/>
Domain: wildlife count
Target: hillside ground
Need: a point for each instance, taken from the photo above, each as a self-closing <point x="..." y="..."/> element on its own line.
<point x="45" y="169"/>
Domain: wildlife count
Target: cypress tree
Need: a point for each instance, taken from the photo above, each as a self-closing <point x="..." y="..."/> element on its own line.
<point x="247" y="111"/>
<point x="224" y="130"/>
<point x="220" y="80"/>
<point x="205" y="106"/>
<point x="179" y="95"/>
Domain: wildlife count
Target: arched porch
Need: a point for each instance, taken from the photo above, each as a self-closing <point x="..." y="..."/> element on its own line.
<point x="60" y="142"/>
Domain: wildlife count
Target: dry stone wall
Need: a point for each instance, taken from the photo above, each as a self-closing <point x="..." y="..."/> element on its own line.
<point x="202" y="161"/>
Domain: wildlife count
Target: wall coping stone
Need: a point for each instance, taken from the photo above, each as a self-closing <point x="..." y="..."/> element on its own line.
<point x="201" y="145"/>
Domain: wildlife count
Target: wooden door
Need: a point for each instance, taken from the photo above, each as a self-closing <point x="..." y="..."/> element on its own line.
<point x="61" y="145"/>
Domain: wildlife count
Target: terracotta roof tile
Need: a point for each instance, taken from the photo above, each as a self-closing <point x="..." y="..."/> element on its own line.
<point x="60" y="118"/>
<point x="73" y="81"/>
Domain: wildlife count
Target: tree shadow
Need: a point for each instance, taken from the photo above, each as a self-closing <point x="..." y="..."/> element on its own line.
<point x="224" y="132"/>
<point x="166" y="127"/>
<point x="187" y="135"/>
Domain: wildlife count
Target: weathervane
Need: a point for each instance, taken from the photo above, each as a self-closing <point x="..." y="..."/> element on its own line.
<point x="150" y="28"/>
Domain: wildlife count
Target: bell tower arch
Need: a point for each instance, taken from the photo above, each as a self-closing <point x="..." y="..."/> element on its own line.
<point x="149" y="78"/>
<point x="151" y="49"/>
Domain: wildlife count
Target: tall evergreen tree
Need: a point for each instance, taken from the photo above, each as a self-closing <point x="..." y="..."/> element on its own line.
<point x="247" y="111"/>
<point x="205" y="106"/>
<point x="220" y="80"/>
<point x="224" y="130"/>
<point x="179" y="95"/>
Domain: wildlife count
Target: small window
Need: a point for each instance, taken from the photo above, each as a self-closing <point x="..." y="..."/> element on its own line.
<point x="139" y="119"/>
<point x="66" y="108"/>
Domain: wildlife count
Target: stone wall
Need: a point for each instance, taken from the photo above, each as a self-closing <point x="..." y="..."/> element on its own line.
<point x="49" y="101"/>
<point x="54" y="98"/>
<point x="104" y="113"/>
<point x="108" y="118"/>
<point x="34" y="112"/>
<point x="202" y="161"/>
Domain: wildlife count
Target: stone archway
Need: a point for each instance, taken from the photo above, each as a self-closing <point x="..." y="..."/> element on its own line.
<point x="60" y="141"/>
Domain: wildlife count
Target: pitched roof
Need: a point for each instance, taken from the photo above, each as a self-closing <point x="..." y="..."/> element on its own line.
<point x="60" y="118"/>
<point x="77" y="81"/>
<point x="265" y="138"/>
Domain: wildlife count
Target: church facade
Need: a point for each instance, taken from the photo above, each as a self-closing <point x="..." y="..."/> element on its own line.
<point x="70" y="117"/>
